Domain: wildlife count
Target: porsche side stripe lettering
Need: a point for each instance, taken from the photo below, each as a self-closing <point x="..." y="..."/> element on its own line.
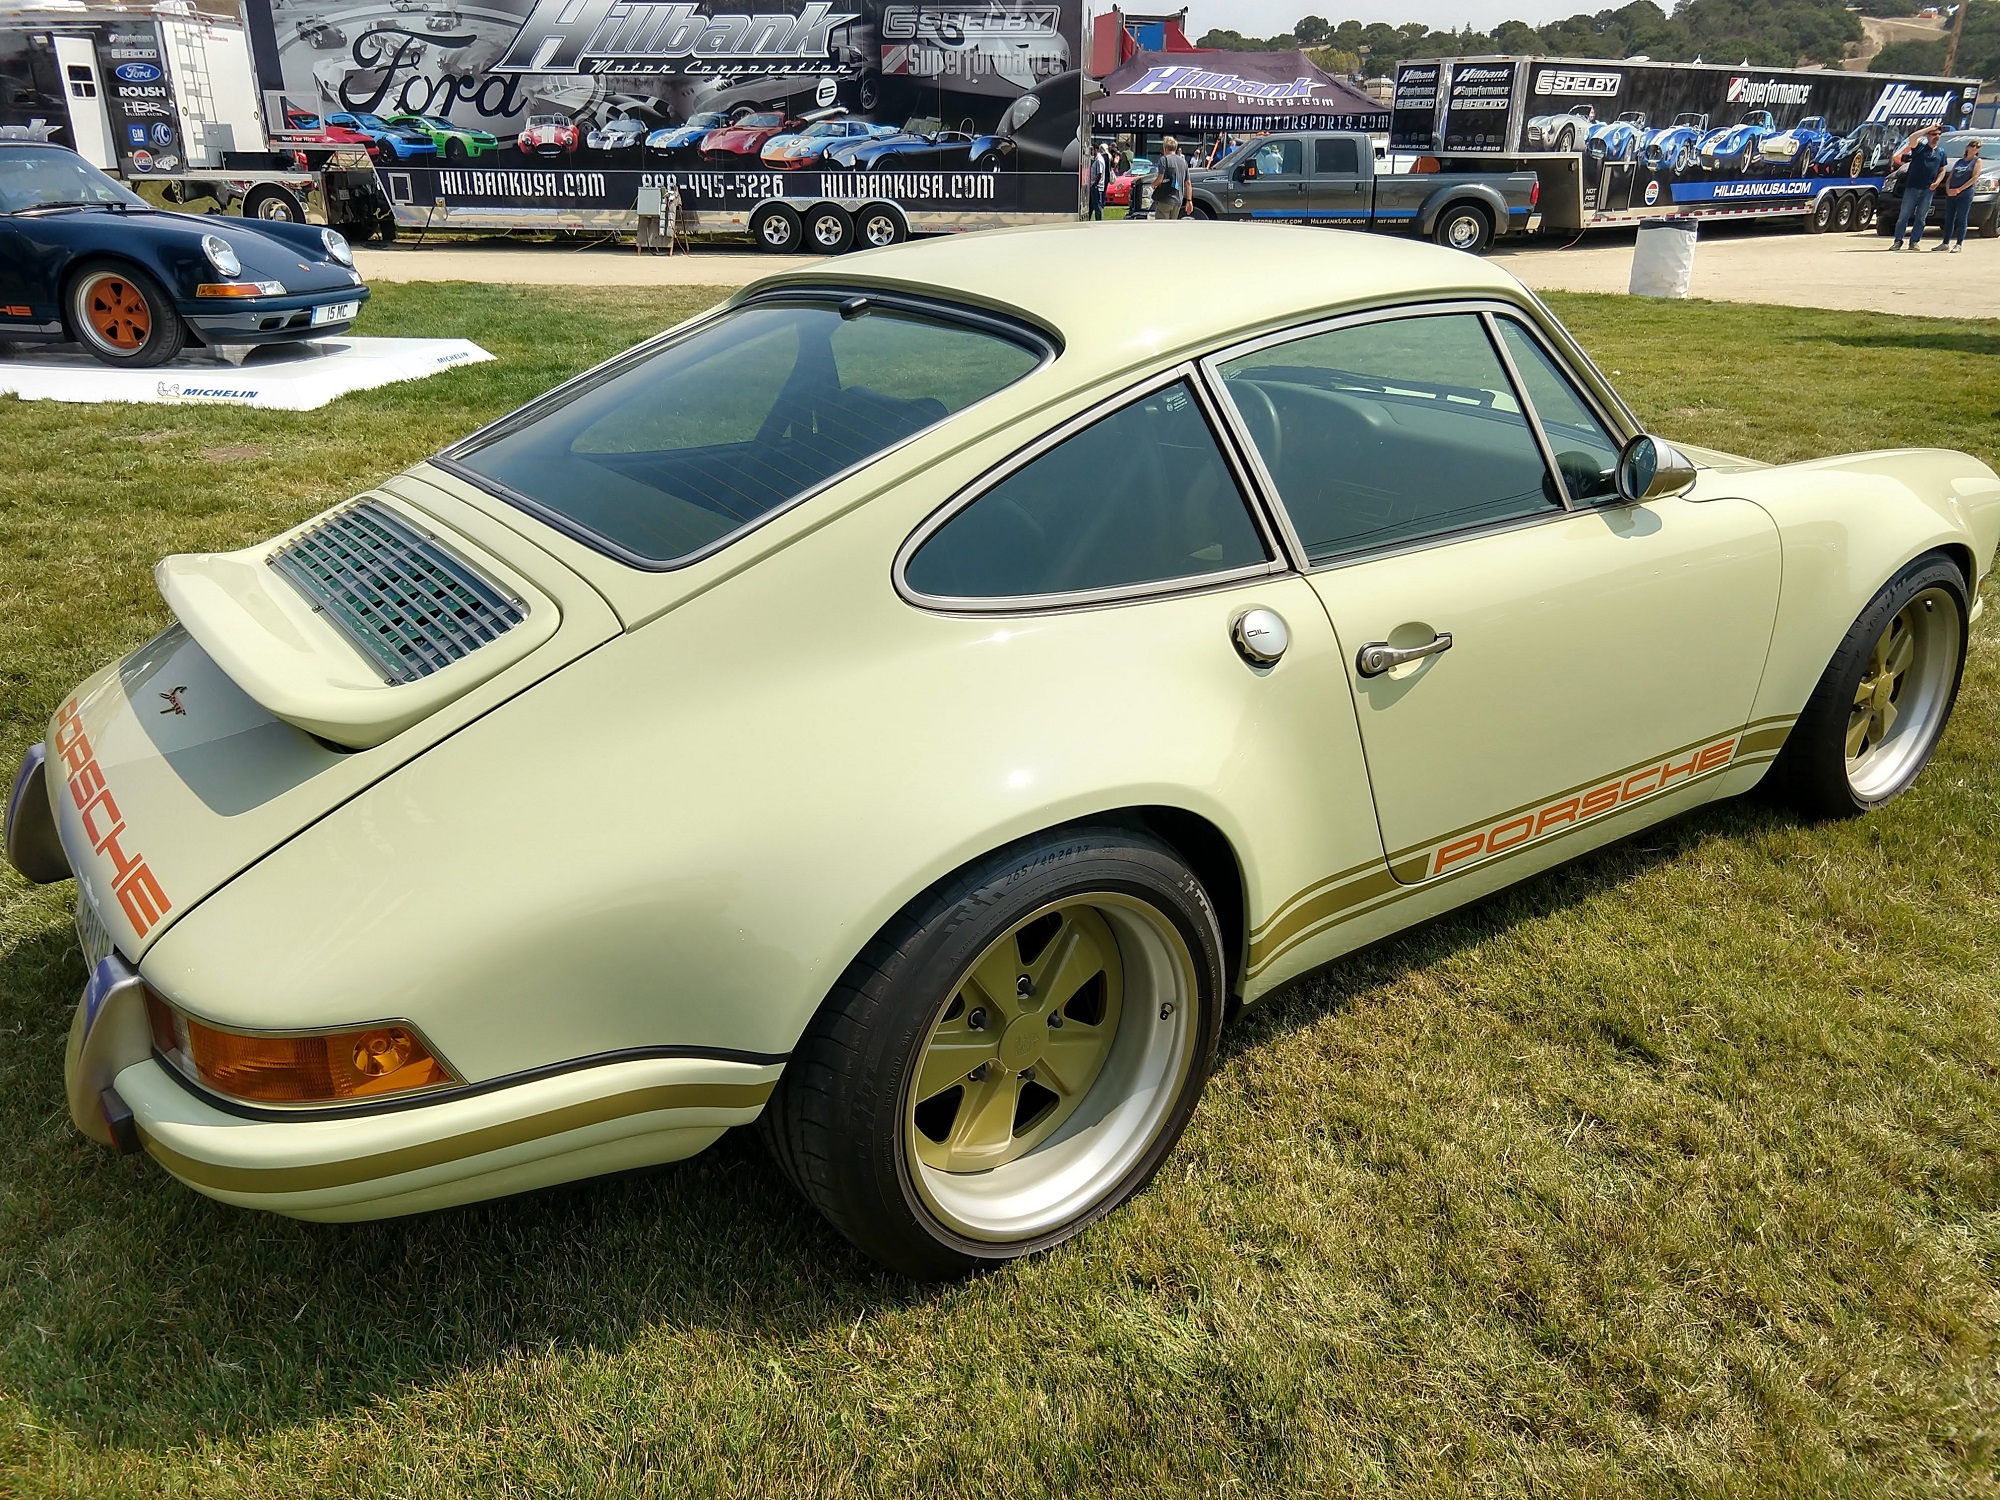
<point x="1355" y="893"/>
<point x="138" y="890"/>
<point x="384" y="1164"/>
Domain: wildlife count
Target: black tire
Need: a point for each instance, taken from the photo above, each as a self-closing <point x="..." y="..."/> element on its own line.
<point x="1813" y="772"/>
<point x="877" y="225"/>
<point x="837" y="1121"/>
<point x="1988" y="228"/>
<point x="1463" y="226"/>
<point x="828" y="230"/>
<point x="1566" y="140"/>
<point x="1843" y="214"/>
<point x="454" y="149"/>
<point x="97" y="290"/>
<point x="1820" y="220"/>
<point x="275" y="205"/>
<point x="776" y="228"/>
<point x="1200" y="210"/>
<point x="1866" y="209"/>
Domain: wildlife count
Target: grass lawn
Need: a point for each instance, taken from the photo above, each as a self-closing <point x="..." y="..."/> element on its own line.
<point x="1676" y="1170"/>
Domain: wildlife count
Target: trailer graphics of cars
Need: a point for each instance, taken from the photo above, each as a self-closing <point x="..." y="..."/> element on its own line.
<point x="1616" y="142"/>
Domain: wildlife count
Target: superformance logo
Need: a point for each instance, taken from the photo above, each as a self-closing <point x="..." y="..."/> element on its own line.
<point x="1566" y="812"/>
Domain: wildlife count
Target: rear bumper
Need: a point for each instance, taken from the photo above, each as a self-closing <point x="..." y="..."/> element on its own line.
<point x="382" y="1159"/>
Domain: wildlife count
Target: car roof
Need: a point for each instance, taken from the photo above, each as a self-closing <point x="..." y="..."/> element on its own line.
<point x="1203" y="281"/>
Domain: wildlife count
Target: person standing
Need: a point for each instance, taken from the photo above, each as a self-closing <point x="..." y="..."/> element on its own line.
<point x="1957" y="180"/>
<point x="1170" y="186"/>
<point x="1100" y="179"/>
<point x="1922" y="164"/>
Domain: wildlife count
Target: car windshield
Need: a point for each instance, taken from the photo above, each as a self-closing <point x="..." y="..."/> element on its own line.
<point x="708" y="120"/>
<point x="761" y="122"/>
<point x="34" y="178"/>
<point x="828" y="127"/>
<point x="662" y="455"/>
<point x="432" y="121"/>
<point x="544" y="122"/>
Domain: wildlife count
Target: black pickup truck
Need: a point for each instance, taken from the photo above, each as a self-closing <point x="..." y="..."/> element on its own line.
<point x="1314" y="177"/>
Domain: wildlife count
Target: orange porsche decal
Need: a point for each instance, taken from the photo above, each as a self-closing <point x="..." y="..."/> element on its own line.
<point x="138" y="889"/>
<point x="1539" y="822"/>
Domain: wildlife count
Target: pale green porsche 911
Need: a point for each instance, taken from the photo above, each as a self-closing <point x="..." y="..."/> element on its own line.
<point x="910" y="706"/>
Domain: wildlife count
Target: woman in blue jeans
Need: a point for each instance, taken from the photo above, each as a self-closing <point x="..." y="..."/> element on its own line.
<point x="1955" y="182"/>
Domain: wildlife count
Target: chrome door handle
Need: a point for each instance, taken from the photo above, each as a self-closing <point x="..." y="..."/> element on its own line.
<point x="1378" y="657"/>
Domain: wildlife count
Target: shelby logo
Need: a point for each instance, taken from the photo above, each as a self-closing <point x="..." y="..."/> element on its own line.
<point x="1179" y="81"/>
<point x="605" y="36"/>
<point x="1569" y="82"/>
<point x="954" y="26"/>
<point x="1900" y="102"/>
<point x="1767" y="91"/>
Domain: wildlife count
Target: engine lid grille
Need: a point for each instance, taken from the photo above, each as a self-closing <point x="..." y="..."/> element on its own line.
<point x="408" y="603"/>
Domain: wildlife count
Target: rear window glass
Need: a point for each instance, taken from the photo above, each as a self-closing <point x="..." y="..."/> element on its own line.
<point x="667" y="456"/>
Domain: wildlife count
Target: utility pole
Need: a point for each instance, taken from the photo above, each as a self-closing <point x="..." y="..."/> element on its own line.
<point x="1957" y="31"/>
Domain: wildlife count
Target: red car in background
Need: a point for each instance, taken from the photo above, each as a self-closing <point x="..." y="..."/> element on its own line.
<point x="746" y="137"/>
<point x="1119" y="190"/>
<point x="549" y="135"/>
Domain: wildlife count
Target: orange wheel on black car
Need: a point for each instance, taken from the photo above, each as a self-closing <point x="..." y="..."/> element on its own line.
<point x="122" y="316"/>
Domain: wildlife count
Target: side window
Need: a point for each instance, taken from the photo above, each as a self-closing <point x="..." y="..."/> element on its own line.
<point x="1586" y="453"/>
<point x="1280" y="159"/>
<point x="1141" y="496"/>
<point x="1391" y="431"/>
<point x="1336" y="156"/>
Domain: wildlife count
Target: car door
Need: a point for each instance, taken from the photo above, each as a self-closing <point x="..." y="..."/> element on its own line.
<point x="1272" y="182"/>
<point x="1565" y="653"/>
<point x="1338" y="192"/>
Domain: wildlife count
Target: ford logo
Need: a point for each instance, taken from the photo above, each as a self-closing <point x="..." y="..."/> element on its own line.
<point x="137" y="72"/>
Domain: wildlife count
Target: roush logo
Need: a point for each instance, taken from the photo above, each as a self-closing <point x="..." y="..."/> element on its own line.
<point x="1767" y="91"/>
<point x="606" y="36"/>
<point x="1527" y="827"/>
<point x="138" y="890"/>
<point x="1903" y="104"/>
<point x="1573" y="84"/>
<point x="137" y="72"/>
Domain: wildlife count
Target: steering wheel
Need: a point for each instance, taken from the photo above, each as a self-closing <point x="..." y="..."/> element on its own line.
<point x="1260" y="415"/>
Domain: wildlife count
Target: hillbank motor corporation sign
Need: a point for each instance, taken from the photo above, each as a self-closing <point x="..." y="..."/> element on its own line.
<point x="615" y="36"/>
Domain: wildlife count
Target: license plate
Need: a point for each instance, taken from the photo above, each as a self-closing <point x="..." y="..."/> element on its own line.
<point x="335" y="312"/>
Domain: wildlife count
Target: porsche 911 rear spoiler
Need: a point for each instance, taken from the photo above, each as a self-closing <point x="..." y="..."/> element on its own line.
<point x="359" y="624"/>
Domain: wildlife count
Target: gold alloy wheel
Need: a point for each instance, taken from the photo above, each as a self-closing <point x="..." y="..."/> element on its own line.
<point x="117" y="312"/>
<point x="1019" y="1045"/>
<point x="1905" y="689"/>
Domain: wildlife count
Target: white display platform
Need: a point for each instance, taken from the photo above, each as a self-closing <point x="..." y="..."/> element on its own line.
<point x="280" y="377"/>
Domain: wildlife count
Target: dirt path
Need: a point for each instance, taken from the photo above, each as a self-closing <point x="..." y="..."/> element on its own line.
<point x="1882" y="32"/>
<point x="1733" y="263"/>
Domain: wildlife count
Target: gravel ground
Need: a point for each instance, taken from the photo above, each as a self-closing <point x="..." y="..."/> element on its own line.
<point x="1779" y="264"/>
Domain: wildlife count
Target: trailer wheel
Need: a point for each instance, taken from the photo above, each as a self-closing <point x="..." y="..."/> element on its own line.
<point x="1820" y="220"/>
<point x="828" y="229"/>
<point x="274" y="203"/>
<point x="1463" y="226"/>
<point x="776" y="228"/>
<point x="1988" y="228"/>
<point x="1843" y="214"/>
<point x="877" y="226"/>
<point x="1866" y="206"/>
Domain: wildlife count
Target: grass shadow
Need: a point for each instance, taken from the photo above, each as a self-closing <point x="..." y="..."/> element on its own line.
<point x="1957" y="341"/>
<point x="164" y="1318"/>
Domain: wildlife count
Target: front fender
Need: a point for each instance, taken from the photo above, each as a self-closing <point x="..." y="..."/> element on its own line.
<point x="1847" y="526"/>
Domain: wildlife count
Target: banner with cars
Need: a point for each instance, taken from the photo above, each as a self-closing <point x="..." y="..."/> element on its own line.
<point x="579" y="104"/>
<point x="1661" y="137"/>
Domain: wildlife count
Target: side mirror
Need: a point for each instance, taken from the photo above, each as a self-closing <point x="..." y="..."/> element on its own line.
<point x="1245" y="171"/>
<point x="1650" y="470"/>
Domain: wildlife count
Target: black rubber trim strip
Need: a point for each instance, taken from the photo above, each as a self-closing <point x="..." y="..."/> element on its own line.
<point x="361" y="1107"/>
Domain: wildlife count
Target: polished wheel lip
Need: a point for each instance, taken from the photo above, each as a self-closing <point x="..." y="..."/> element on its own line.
<point x="1072" y="1164"/>
<point x="115" y="312"/>
<point x="1464" y="232"/>
<point x="1904" y="694"/>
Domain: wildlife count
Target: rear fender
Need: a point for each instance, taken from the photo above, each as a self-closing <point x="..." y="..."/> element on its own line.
<point x="1452" y="194"/>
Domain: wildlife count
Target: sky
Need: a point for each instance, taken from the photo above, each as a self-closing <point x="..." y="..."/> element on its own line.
<point x="1266" y="17"/>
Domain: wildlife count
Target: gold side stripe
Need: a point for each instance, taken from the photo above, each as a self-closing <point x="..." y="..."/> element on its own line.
<point x="1331" y="911"/>
<point x="1582" y="786"/>
<point x="1312" y="890"/>
<point x="1328" y="903"/>
<point x="497" y="1137"/>
<point x="1763" y="739"/>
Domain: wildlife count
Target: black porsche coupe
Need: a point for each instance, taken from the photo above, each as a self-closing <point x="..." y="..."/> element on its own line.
<point x="83" y="259"/>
